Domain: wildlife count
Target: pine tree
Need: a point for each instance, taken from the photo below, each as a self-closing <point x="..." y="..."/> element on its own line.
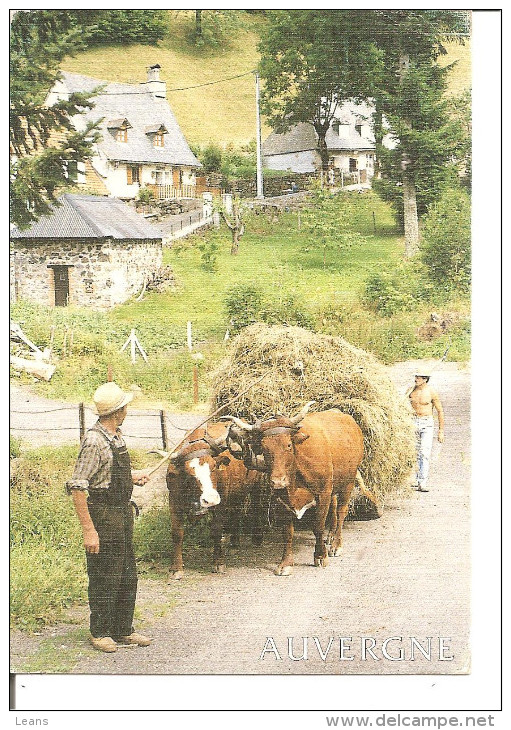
<point x="42" y="139"/>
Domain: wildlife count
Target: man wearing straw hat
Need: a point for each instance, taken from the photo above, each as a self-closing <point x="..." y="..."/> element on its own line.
<point x="423" y="400"/>
<point x="103" y="471"/>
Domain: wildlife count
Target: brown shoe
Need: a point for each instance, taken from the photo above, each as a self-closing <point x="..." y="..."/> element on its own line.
<point x="103" y="643"/>
<point x="135" y="638"/>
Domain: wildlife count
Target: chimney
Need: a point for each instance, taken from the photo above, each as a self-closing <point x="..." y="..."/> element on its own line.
<point x="154" y="84"/>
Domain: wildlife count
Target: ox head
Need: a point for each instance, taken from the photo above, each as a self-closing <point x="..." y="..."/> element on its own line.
<point x="270" y="445"/>
<point x="195" y="466"/>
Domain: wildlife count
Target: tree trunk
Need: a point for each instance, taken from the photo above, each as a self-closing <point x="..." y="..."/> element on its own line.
<point x="378" y="137"/>
<point x="411" y="221"/>
<point x="235" y="246"/>
<point x="198" y="24"/>
<point x="323" y="151"/>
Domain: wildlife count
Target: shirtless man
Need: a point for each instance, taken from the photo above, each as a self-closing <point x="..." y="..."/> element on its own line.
<point x="423" y="399"/>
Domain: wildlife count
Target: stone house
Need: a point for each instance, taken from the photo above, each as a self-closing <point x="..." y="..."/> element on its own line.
<point x="141" y="142"/>
<point x="91" y="251"/>
<point x="350" y="143"/>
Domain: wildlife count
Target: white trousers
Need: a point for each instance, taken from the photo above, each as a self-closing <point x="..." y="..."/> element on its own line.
<point x="424" y="428"/>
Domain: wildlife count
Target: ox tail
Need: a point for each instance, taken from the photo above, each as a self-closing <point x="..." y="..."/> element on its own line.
<point x="368" y="493"/>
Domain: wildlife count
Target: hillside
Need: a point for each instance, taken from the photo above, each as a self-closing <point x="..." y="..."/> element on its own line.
<point x="219" y="113"/>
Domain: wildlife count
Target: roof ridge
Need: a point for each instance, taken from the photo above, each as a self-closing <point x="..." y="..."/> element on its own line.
<point x="96" y="229"/>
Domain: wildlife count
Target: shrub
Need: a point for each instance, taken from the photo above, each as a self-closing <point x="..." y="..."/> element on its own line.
<point x="209" y="249"/>
<point x="145" y="195"/>
<point x="287" y="310"/>
<point x="243" y="304"/>
<point x="445" y="249"/>
<point x="386" y="293"/>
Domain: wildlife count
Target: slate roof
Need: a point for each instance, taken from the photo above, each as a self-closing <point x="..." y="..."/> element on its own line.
<point x="303" y="137"/>
<point x="141" y="108"/>
<point x="90" y="216"/>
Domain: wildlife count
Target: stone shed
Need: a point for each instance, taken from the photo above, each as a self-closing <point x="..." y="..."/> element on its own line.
<point x="91" y="251"/>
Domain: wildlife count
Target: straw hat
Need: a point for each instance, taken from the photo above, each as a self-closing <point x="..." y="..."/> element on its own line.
<point x="109" y="398"/>
<point x="425" y="372"/>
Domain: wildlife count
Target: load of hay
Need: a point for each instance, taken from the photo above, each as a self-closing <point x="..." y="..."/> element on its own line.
<point x="301" y="366"/>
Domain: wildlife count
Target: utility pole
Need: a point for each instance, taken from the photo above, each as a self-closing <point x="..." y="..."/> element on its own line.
<point x="260" y="193"/>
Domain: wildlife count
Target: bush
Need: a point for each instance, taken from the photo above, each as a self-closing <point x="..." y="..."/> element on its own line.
<point x="243" y="304"/>
<point x="145" y="195"/>
<point x="445" y="249"/>
<point x="386" y="294"/>
<point x="287" y="310"/>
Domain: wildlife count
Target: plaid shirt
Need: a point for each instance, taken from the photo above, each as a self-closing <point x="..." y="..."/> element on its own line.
<point x="93" y="468"/>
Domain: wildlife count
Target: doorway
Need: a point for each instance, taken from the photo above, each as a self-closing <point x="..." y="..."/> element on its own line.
<point x="61" y="285"/>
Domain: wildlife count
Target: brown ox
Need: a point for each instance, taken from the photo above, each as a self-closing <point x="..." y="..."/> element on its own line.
<point x="314" y="460"/>
<point x="202" y="475"/>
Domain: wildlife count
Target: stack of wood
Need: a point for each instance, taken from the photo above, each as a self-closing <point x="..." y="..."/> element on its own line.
<point x="36" y="362"/>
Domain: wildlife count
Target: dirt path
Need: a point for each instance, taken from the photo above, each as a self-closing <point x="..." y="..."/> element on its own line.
<point x="405" y="575"/>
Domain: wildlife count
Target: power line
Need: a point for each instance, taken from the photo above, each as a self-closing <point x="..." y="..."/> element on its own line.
<point x="182" y="88"/>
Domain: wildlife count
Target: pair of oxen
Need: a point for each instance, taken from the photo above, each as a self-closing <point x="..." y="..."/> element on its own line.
<point x="310" y="459"/>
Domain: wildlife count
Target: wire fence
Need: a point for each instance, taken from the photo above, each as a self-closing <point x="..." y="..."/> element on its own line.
<point x="163" y="430"/>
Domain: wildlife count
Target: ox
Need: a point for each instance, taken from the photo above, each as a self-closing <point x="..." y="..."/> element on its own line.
<point x="313" y="460"/>
<point x="203" y="475"/>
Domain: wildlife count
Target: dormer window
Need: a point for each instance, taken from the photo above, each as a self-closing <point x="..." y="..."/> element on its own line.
<point x="119" y="128"/>
<point x="157" y="133"/>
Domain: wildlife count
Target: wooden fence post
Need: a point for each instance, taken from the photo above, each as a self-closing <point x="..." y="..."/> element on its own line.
<point x="163" y="431"/>
<point x="195" y="384"/>
<point x="81" y="418"/>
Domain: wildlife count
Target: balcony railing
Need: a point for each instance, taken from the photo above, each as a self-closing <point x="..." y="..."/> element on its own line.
<point x="170" y="192"/>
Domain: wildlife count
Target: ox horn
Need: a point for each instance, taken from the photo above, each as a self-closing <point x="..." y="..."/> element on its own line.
<point x="239" y="423"/>
<point x="217" y="444"/>
<point x="295" y="420"/>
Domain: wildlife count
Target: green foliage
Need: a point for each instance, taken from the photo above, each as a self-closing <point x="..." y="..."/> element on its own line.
<point x="209" y="248"/>
<point x="327" y="222"/>
<point x="243" y="304"/>
<point x="14" y="447"/>
<point x="301" y="83"/>
<point x="39" y="41"/>
<point x="145" y="195"/>
<point x="232" y="162"/>
<point x="210" y="156"/>
<point x="446" y="244"/>
<point x="152" y="535"/>
<point x="287" y="309"/>
<point x="46" y="542"/>
<point x="213" y="27"/>
<point x="125" y="26"/>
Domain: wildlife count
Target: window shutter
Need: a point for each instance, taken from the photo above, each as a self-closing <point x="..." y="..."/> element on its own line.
<point x="129" y="173"/>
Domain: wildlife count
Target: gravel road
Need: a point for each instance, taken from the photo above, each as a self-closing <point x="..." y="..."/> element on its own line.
<point x="402" y="579"/>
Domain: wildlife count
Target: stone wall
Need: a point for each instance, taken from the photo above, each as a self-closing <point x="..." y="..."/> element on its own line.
<point x="101" y="274"/>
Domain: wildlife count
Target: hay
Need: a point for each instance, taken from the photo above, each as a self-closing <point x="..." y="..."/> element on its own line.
<point x="303" y="366"/>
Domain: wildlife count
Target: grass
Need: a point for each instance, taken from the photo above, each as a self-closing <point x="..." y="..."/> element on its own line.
<point x="221" y="113"/>
<point x="48" y="570"/>
<point x="281" y="261"/>
<point x="204" y="114"/>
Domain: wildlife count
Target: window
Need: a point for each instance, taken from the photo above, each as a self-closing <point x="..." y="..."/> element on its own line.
<point x="133" y="174"/>
<point x="353" y="164"/>
<point x="122" y="134"/>
<point x="159" y="139"/>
